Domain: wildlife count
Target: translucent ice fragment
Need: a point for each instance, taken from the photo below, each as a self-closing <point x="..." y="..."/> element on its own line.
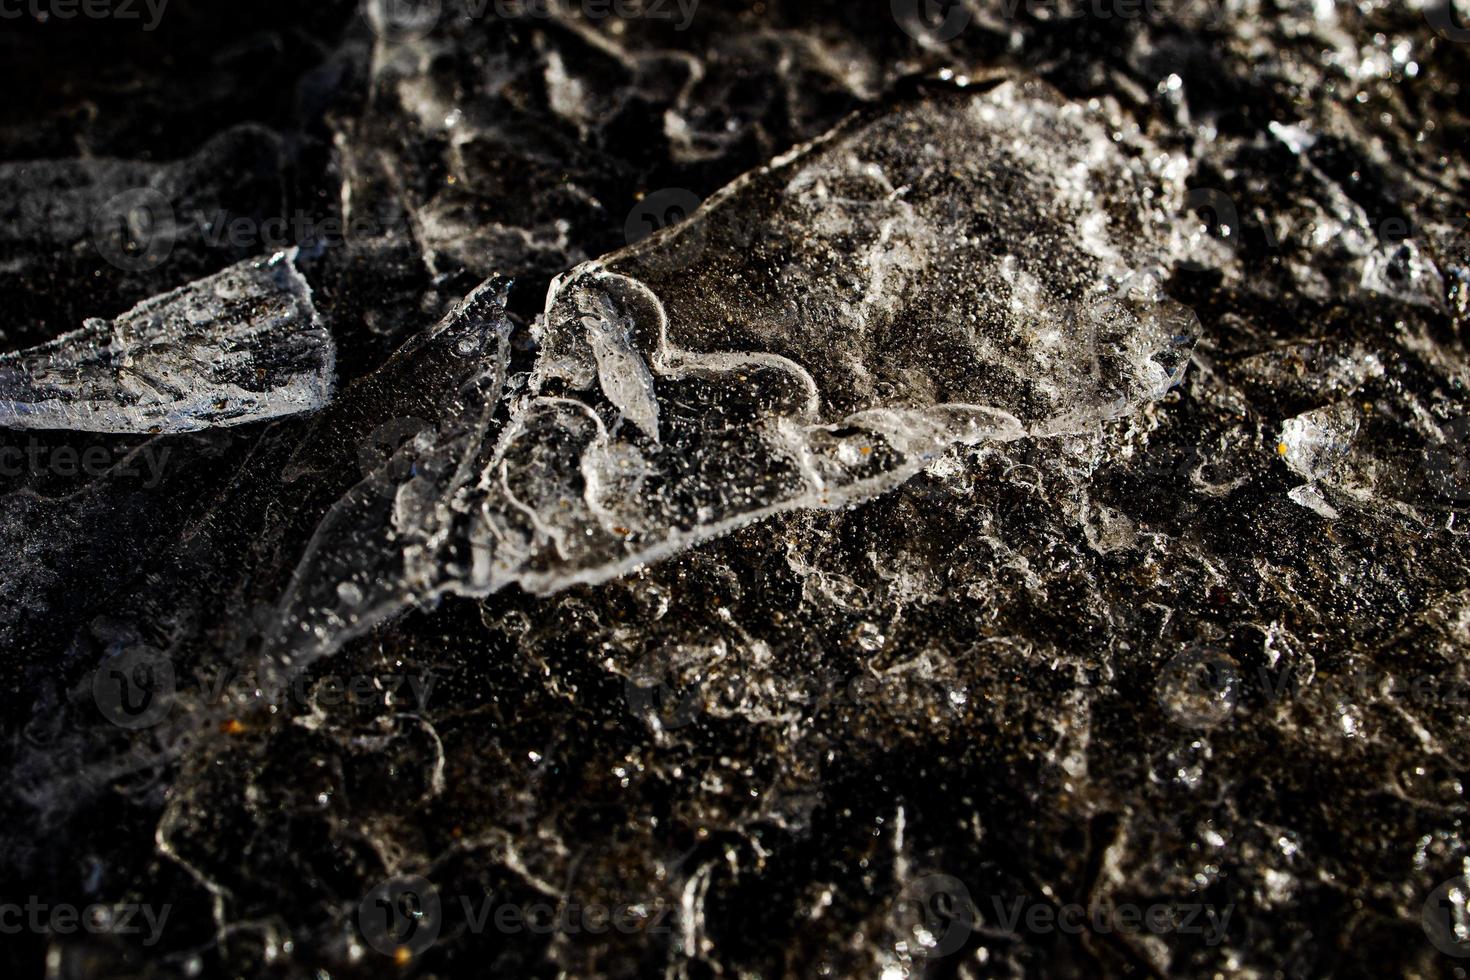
<point x="959" y="268"/>
<point x="239" y="346"/>
<point x="1308" y="496"/>
<point x="398" y="532"/>
<point x="1403" y="271"/>
<point x="1318" y="444"/>
<point x="1395" y="452"/>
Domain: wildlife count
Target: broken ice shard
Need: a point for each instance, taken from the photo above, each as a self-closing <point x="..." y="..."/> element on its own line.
<point x="239" y="346"/>
<point x="960" y="267"/>
<point x="389" y="539"/>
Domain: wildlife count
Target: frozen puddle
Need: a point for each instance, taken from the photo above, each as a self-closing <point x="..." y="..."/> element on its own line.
<point x="963" y="267"/>
<point x="239" y="346"/>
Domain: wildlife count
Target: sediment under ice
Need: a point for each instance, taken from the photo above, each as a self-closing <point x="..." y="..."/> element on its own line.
<point x="1209" y="655"/>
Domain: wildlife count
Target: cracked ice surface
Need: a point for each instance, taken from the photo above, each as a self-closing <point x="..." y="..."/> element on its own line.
<point x="960" y="268"/>
<point x="239" y="346"/>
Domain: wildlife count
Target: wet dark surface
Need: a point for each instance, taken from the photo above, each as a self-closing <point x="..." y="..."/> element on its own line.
<point x="1019" y="534"/>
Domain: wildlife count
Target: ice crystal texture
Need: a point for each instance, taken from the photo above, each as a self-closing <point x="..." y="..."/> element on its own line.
<point x="920" y="490"/>
<point x="815" y="335"/>
<point x="242" y="345"/>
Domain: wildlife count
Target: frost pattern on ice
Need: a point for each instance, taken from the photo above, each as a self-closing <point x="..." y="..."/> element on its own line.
<point x="239" y="346"/>
<point x="963" y="268"/>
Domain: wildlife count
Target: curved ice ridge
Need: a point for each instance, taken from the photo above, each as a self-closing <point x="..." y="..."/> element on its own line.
<point x="921" y="278"/>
